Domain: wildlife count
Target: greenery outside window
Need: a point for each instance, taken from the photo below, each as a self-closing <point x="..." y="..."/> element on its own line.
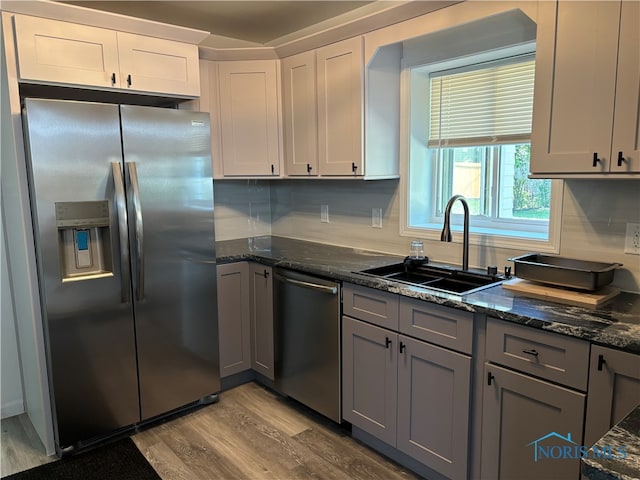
<point x="470" y="127"/>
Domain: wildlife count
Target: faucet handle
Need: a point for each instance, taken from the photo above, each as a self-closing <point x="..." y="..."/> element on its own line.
<point x="507" y="271"/>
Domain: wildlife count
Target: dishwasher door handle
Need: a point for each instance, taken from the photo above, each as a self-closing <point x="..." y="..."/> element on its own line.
<point x="309" y="285"/>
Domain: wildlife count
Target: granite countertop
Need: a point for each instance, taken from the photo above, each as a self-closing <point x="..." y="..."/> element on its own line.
<point x="615" y="324"/>
<point x="622" y="441"/>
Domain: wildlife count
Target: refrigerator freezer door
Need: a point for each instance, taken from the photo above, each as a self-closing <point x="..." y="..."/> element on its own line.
<point x="168" y="170"/>
<point x="89" y="321"/>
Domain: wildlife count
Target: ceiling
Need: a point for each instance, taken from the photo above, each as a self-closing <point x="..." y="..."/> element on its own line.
<point x="257" y="22"/>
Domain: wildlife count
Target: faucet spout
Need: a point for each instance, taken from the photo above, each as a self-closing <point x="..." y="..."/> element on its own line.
<point x="446" y="236"/>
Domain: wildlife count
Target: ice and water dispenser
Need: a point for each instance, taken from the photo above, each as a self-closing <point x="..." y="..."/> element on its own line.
<point x="84" y="239"/>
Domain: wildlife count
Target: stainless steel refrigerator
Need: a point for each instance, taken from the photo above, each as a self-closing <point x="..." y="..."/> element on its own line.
<point x="122" y="208"/>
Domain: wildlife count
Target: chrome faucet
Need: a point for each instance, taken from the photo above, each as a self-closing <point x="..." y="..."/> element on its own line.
<point x="445" y="236"/>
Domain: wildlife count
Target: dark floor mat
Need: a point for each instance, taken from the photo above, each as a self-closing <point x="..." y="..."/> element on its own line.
<point x="116" y="461"/>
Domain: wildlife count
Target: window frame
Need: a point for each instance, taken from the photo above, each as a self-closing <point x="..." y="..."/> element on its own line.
<point x="413" y="125"/>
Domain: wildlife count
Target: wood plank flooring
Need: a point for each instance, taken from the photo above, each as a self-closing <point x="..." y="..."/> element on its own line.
<point x="20" y="446"/>
<point x="253" y="433"/>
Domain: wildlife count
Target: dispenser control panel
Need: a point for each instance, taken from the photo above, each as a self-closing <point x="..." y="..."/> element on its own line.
<point x="82" y="214"/>
<point x="84" y="239"/>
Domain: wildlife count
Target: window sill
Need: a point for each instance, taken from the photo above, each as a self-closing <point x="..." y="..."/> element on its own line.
<point x="510" y="240"/>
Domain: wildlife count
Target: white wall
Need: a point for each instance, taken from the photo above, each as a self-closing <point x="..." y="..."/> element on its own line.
<point x="19" y="237"/>
<point x="11" y="397"/>
<point x="242" y="208"/>
<point x="593" y="223"/>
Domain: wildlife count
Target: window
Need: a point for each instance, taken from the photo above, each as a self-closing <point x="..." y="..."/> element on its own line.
<point x="470" y="128"/>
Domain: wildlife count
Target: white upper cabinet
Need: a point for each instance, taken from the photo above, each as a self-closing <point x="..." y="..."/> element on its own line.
<point x="55" y="52"/>
<point x="586" y="90"/>
<point x="59" y="52"/>
<point x="325" y="109"/>
<point x="340" y="84"/>
<point x="250" y="118"/>
<point x="299" y="116"/>
<point x="157" y="65"/>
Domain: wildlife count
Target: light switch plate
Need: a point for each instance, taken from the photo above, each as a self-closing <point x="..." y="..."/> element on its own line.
<point x="632" y="239"/>
<point x="376" y="217"/>
<point x="324" y="213"/>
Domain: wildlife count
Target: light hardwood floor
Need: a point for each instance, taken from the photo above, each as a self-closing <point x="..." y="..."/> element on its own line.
<point x="253" y="433"/>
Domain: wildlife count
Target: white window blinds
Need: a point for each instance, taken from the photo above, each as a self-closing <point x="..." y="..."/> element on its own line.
<point x="482" y="104"/>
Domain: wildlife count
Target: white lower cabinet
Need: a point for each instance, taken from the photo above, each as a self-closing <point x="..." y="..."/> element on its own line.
<point x="532" y="428"/>
<point x="233" y="318"/>
<point x="410" y="394"/>
<point x="614" y="390"/>
<point x="526" y="425"/>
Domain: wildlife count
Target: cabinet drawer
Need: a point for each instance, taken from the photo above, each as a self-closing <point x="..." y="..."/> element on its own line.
<point x="436" y="324"/>
<point x="374" y="306"/>
<point x="548" y="355"/>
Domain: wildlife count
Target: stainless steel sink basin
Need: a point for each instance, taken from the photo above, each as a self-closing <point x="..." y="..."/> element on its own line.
<point x="445" y="279"/>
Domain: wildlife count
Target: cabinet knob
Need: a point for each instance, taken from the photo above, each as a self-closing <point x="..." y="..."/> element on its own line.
<point x="309" y="168"/>
<point x="621" y="159"/>
<point x="354" y="167"/>
<point x="596" y="160"/>
<point x="265" y="274"/>
<point x="129" y="80"/>
<point x="113" y="79"/>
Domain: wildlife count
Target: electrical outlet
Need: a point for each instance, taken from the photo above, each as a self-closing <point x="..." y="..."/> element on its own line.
<point x="324" y="213"/>
<point x="632" y="239"/>
<point x="376" y="217"/>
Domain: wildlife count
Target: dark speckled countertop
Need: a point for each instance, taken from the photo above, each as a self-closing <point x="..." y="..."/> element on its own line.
<point x="615" y="324"/>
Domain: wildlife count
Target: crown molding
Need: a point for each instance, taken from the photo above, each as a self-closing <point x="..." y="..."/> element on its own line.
<point x="96" y="18"/>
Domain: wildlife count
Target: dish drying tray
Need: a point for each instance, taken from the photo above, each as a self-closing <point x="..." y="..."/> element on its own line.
<point x="564" y="272"/>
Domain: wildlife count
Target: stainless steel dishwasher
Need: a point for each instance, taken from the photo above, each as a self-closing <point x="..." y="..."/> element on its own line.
<point x="307" y="340"/>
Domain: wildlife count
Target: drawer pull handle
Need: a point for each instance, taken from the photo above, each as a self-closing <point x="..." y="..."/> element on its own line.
<point x="309" y="168"/>
<point x="533" y="352"/>
<point x="601" y="362"/>
<point x="596" y="160"/>
<point x="265" y="274"/>
<point x="129" y="82"/>
<point x="354" y="167"/>
<point x="621" y="159"/>
<point x="387" y="342"/>
<point x="113" y="79"/>
<point x="402" y="347"/>
<point x="490" y="377"/>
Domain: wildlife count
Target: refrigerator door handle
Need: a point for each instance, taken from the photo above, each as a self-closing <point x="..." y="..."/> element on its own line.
<point x="137" y="208"/>
<point x="121" y="208"/>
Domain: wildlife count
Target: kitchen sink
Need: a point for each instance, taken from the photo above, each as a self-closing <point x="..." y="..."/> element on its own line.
<point x="441" y="278"/>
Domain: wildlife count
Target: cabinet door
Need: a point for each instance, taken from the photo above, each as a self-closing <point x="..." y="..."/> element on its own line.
<point x="156" y="65"/>
<point x="523" y="417"/>
<point x="369" y="368"/>
<point x="626" y="120"/>
<point x="575" y="88"/>
<point x="340" y="105"/>
<point x="614" y="390"/>
<point x="58" y="52"/>
<point x="233" y="318"/>
<point x="300" y="123"/>
<point x="433" y="406"/>
<point x="249" y="118"/>
<point x="262" y="319"/>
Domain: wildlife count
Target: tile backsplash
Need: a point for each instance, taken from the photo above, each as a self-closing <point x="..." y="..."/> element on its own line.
<point x="595" y="213"/>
